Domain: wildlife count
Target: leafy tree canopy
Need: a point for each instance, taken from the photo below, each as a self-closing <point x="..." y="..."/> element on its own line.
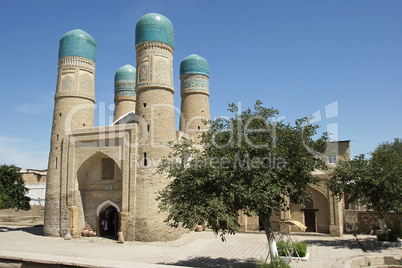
<point x="249" y="162"/>
<point x="375" y="182"/>
<point x="12" y="189"/>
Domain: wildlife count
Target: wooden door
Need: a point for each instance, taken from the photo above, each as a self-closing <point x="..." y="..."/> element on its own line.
<point x="309" y="220"/>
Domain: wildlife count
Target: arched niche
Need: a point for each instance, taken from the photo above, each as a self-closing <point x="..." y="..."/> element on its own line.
<point x="105" y="204"/>
<point x="92" y="171"/>
<point x="315" y="213"/>
<point x="94" y="189"/>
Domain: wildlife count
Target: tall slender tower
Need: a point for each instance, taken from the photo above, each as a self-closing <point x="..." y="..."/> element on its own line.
<point x="73" y="108"/>
<point x="124" y="91"/>
<point x="154" y="42"/>
<point x="194" y="78"/>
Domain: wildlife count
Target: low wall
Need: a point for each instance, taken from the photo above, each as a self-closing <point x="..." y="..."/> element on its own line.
<point x="364" y="222"/>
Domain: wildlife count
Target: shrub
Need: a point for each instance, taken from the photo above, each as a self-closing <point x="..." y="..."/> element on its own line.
<point x="285" y="247"/>
<point x="278" y="263"/>
<point x="393" y="235"/>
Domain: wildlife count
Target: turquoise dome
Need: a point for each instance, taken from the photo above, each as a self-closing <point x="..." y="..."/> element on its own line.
<point x="77" y="43"/>
<point x="194" y="64"/>
<point x="125" y="74"/>
<point x="154" y="27"/>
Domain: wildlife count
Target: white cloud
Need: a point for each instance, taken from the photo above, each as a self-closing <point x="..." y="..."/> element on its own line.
<point x="22" y="153"/>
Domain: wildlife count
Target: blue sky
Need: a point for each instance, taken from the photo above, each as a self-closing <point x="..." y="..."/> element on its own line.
<point x="339" y="59"/>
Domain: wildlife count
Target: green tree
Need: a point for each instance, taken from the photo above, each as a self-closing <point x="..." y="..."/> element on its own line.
<point x="249" y="162"/>
<point x="12" y="189"/>
<point x="375" y="182"/>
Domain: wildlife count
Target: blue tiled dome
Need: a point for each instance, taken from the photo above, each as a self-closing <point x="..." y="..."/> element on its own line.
<point x="124" y="82"/>
<point x="194" y="64"/>
<point x="77" y="43"/>
<point x="154" y="27"/>
<point x="125" y="74"/>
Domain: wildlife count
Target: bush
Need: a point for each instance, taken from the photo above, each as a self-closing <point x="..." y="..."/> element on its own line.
<point x="285" y="247"/>
<point x="393" y="235"/>
<point x="278" y="263"/>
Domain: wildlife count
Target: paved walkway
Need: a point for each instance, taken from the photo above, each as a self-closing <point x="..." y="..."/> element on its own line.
<point x="193" y="250"/>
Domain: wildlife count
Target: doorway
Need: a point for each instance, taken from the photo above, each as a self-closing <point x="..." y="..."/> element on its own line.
<point x="108" y="222"/>
<point x="309" y="219"/>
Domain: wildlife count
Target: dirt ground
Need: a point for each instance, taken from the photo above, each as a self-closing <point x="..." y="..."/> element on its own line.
<point x="32" y="217"/>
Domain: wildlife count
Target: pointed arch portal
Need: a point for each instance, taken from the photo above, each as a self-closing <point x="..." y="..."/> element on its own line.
<point x="108" y="218"/>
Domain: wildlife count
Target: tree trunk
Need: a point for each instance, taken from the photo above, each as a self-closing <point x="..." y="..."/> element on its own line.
<point x="383" y="226"/>
<point x="266" y="222"/>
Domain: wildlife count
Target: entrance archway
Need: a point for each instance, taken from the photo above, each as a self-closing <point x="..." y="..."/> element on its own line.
<point x="108" y="222"/>
<point x="108" y="219"/>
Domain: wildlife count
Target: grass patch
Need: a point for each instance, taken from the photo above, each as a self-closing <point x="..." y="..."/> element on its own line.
<point x="278" y="263"/>
<point x="285" y="247"/>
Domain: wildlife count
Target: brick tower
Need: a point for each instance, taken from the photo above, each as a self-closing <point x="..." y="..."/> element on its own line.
<point x="73" y="109"/>
<point x="124" y="91"/>
<point x="194" y="77"/>
<point x="154" y="44"/>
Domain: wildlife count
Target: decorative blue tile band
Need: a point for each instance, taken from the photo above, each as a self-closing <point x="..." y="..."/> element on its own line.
<point x="194" y="83"/>
<point x="121" y="89"/>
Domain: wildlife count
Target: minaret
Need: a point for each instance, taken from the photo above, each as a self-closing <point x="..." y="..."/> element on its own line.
<point x="154" y="42"/>
<point x="194" y="78"/>
<point x="73" y="108"/>
<point x="124" y="91"/>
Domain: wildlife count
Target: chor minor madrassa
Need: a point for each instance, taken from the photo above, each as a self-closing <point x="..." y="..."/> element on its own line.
<point x="104" y="178"/>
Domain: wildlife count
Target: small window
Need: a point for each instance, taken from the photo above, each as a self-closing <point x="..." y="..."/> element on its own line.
<point x="148" y="128"/>
<point x="199" y="128"/>
<point x="145" y="105"/>
<point x="57" y="137"/>
<point x="145" y="159"/>
<point x="56" y="163"/>
<point x="107" y="169"/>
<point x="60" y="114"/>
<point x="332" y="159"/>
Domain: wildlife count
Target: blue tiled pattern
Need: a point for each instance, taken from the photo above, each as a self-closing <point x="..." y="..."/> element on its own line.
<point x="143" y="75"/>
<point x="161" y="71"/>
<point x="124" y="89"/>
<point x="77" y="43"/>
<point x="194" y="64"/>
<point x="154" y="27"/>
<point x="194" y="84"/>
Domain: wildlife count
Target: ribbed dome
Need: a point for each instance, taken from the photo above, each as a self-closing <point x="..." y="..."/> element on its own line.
<point x="125" y="74"/>
<point x="194" y="64"/>
<point x="77" y="43"/>
<point x="154" y="27"/>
